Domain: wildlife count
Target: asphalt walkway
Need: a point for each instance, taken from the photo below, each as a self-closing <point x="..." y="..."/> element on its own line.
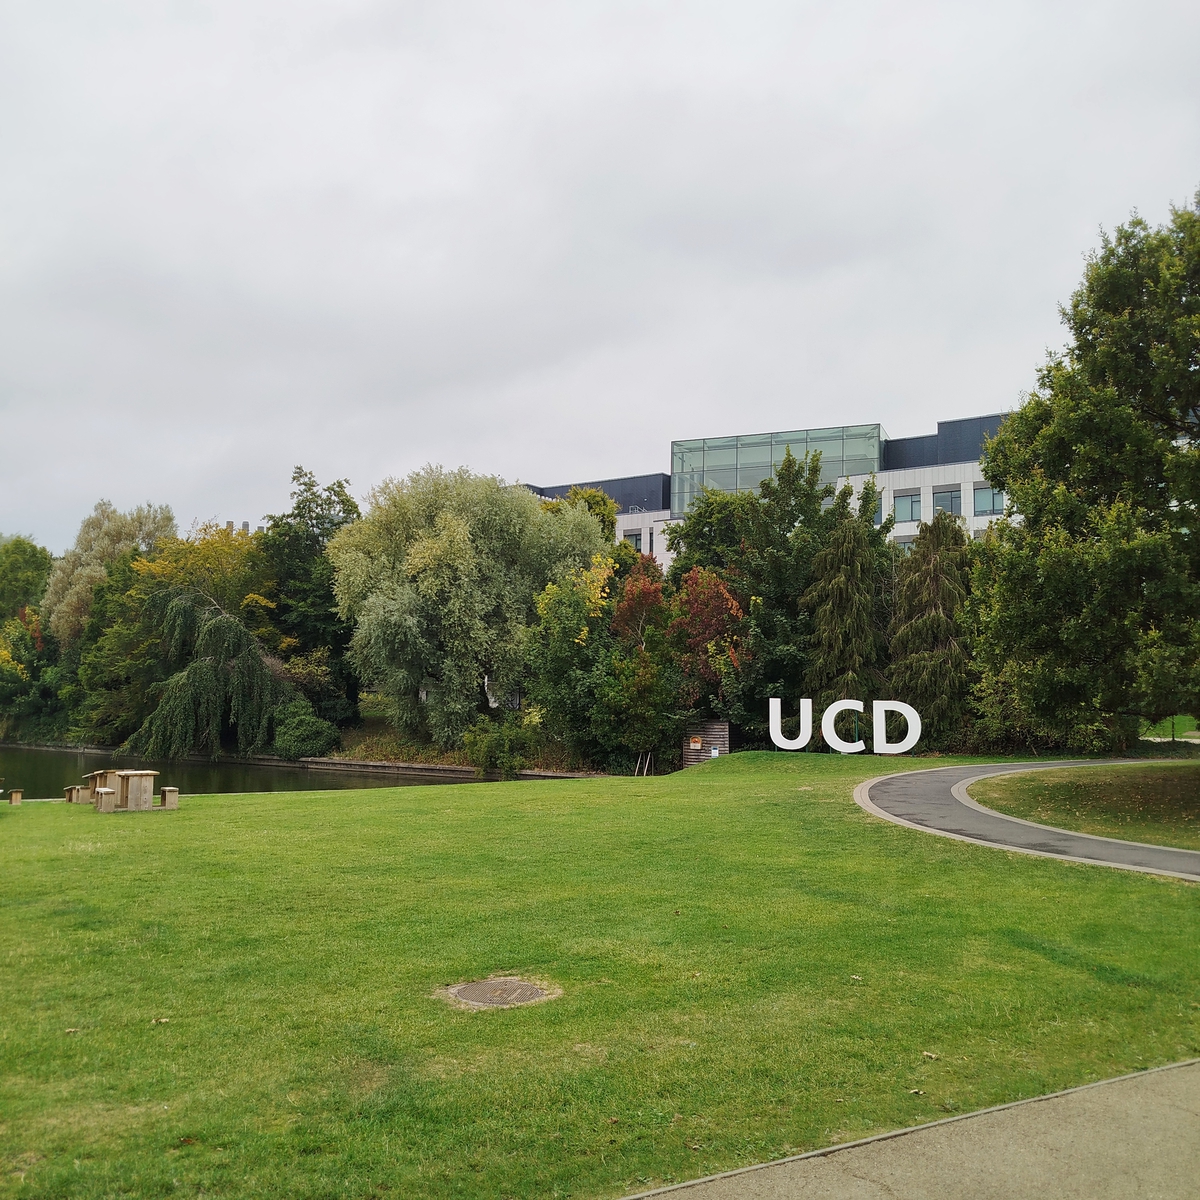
<point x="1137" y="1136"/>
<point x="937" y="802"/>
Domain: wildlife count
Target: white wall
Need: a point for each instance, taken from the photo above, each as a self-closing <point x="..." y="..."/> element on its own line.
<point x="927" y="479"/>
<point x="644" y="523"/>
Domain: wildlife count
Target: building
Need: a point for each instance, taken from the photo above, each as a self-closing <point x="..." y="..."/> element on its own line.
<point x="917" y="475"/>
<point x="643" y="510"/>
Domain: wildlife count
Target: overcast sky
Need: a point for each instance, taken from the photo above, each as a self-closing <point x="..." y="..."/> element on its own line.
<point x="540" y="239"/>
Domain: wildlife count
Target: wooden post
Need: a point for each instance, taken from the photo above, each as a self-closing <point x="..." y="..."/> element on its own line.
<point x="15" y="795"/>
<point x="170" y="797"/>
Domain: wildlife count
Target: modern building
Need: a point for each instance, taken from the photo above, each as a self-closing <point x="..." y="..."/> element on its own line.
<point x="917" y="476"/>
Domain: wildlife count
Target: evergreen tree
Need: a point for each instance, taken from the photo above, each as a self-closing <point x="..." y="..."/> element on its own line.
<point x="313" y="638"/>
<point x="930" y="664"/>
<point x="846" y="652"/>
<point x="763" y="549"/>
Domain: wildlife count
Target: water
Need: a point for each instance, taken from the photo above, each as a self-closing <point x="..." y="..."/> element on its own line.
<point x="43" y="774"/>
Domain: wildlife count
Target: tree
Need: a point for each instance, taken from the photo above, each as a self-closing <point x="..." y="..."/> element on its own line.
<point x="103" y="538"/>
<point x="603" y="678"/>
<point x="705" y="633"/>
<point x="24" y="569"/>
<point x="763" y="549"/>
<point x="1087" y="605"/>
<point x="599" y="503"/>
<point x="566" y="650"/>
<point x="123" y="660"/>
<point x="847" y="649"/>
<point x="440" y="578"/>
<point x="931" y="667"/>
<point x="313" y="639"/>
<point x="31" y="707"/>
<point x="203" y="596"/>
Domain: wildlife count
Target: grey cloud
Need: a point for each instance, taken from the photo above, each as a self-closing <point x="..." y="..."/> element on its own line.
<point x="540" y="239"/>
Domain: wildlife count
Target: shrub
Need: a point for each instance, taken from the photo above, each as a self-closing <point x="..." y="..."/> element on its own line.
<point x="502" y="746"/>
<point x="300" y="733"/>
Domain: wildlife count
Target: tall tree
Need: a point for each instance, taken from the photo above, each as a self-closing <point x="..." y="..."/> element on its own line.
<point x="763" y="548"/>
<point x="1087" y="605"/>
<point x="204" y="596"/>
<point x="846" y="656"/>
<point x="313" y="637"/>
<point x="24" y="569"/>
<point x="440" y="578"/>
<point x="931" y="666"/>
<point x="104" y="536"/>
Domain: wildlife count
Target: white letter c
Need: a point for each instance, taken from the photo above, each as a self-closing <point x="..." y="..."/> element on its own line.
<point x="830" y="734"/>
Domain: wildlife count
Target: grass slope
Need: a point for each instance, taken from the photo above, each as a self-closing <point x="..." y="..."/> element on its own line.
<point x="751" y="966"/>
<point x="1159" y="804"/>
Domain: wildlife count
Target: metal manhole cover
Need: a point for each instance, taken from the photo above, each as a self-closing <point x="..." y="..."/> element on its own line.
<point x="498" y="993"/>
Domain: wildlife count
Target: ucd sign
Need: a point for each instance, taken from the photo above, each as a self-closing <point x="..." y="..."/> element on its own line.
<point x="879" y="711"/>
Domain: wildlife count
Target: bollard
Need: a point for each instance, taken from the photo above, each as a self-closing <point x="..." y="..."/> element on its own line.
<point x="170" y="797"/>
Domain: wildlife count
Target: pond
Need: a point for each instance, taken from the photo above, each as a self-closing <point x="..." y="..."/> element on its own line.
<point x="42" y="774"/>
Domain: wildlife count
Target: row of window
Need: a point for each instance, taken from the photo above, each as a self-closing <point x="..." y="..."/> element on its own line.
<point x="634" y="538"/>
<point x="988" y="502"/>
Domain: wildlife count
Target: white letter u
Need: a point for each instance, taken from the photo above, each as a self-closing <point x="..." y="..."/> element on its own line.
<point x="775" y="721"/>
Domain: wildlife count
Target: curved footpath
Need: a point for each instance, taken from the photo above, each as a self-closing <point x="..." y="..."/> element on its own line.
<point x="936" y="801"/>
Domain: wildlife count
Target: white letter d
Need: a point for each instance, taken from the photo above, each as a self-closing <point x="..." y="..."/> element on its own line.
<point x="879" y="711"/>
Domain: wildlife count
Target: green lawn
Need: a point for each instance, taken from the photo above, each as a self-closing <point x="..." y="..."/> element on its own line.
<point x="1171" y="725"/>
<point x="1159" y="804"/>
<point x="751" y="966"/>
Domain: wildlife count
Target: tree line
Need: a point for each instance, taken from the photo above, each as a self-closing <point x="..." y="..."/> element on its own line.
<point x="489" y="619"/>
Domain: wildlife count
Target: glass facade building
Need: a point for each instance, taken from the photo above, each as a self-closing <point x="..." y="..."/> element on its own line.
<point x="740" y="464"/>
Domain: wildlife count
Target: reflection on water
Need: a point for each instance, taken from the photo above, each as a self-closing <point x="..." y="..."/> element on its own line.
<point x="44" y="773"/>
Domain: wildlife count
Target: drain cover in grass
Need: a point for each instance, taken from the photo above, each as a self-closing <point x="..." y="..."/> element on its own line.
<point x="498" y="993"/>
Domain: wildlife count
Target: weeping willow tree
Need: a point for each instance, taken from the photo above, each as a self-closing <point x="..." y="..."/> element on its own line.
<point x="229" y="681"/>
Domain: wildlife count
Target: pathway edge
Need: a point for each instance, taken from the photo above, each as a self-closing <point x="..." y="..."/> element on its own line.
<point x="826" y="1151"/>
<point x="863" y="799"/>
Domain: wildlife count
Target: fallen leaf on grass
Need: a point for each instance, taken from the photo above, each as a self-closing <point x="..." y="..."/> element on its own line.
<point x="858" y="977"/>
<point x="160" y="1020"/>
<point x="929" y="1054"/>
<point x="613" y="1120"/>
<point x="72" y="1030"/>
<point x="915" y="1092"/>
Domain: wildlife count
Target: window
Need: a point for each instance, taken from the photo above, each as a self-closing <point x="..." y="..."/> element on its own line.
<point x="878" y="517"/>
<point x="908" y="508"/>
<point x="905" y="545"/>
<point x="634" y="538"/>
<point x="948" y="501"/>
<point x="989" y="502"/>
<point x="651" y="541"/>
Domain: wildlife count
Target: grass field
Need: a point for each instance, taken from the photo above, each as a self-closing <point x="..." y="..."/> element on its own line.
<point x="1176" y="726"/>
<point x="751" y="966"/>
<point x="1159" y="804"/>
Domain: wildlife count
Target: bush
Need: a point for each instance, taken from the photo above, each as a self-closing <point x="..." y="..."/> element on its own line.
<point x="300" y="733"/>
<point x="502" y="746"/>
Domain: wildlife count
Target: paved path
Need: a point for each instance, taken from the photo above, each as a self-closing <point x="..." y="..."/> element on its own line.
<point x="937" y="802"/>
<point x="1134" y="1136"/>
